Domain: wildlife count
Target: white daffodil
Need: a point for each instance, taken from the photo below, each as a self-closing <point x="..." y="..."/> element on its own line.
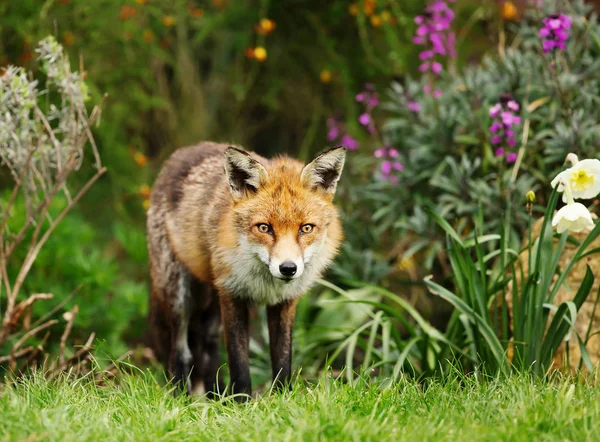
<point x="583" y="178"/>
<point x="573" y="217"/>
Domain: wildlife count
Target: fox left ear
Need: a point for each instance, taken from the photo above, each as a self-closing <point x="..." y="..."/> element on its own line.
<point x="324" y="171"/>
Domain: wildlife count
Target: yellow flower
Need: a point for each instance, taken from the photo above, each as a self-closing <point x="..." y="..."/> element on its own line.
<point x="260" y="53"/>
<point x="265" y="26"/>
<point x="140" y="159"/>
<point x="325" y="76"/>
<point x="148" y="35"/>
<point x="509" y="10"/>
<point x="146" y="204"/>
<point x="386" y="17"/>
<point x="353" y="9"/>
<point x="376" y="21"/>
<point x="168" y="20"/>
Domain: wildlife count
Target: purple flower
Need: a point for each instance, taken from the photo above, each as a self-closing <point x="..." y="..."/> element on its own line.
<point x="495" y="110"/>
<point x="554" y="32"/>
<point x="413" y="106"/>
<point x="360" y="97"/>
<point x="379" y="153"/>
<point x="364" y="119"/>
<point x="390" y="165"/>
<point x="433" y="32"/>
<point x="503" y="126"/>
<point x="349" y="143"/>
<point x="437" y="93"/>
<point x="495" y="127"/>
<point x="333" y="133"/>
<point x="393" y="153"/>
<point x="386" y="167"/>
<point x="397" y="165"/>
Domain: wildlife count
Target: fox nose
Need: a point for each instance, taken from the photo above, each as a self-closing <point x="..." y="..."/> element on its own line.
<point x="288" y="268"/>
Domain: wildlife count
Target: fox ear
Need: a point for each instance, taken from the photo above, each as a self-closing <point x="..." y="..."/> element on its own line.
<point x="325" y="170"/>
<point x="244" y="173"/>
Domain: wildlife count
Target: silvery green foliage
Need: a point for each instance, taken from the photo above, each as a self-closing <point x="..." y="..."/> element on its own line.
<point x="43" y="139"/>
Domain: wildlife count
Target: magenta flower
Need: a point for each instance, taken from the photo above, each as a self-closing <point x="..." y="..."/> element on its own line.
<point x="413" y="106"/>
<point x="390" y="166"/>
<point x="503" y="127"/>
<point x="364" y="119"/>
<point x="555" y="33"/>
<point x="433" y="32"/>
<point x="349" y="143"/>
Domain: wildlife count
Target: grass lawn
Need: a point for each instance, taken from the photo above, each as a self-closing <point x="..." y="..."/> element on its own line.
<point x="140" y="409"/>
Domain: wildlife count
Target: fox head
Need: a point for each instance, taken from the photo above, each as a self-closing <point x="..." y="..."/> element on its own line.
<point x="283" y="212"/>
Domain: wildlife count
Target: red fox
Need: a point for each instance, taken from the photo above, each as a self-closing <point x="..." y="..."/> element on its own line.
<point x="228" y="229"/>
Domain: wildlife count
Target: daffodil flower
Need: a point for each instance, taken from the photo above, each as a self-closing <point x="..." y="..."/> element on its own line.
<point x="583" y="178"/>
<point x="573" y="217"/>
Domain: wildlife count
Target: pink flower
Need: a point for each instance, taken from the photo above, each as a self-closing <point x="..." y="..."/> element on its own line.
<point x="499" y="152"/>
<point x="511" y="157"/>
<point x="436" y="67"/>
<point x="379" y="153"/>
<point x="497" y="139"/>
<point x="393" y="153"/>
<point x="437" y="93"/>
<point x="495" y="127"/>
<point x="386" y="167"/>
<point x="495" y="110"/>
<point x="349" y="143"/>
<point x="364" y="119"/>
<point x="413" y="106"/>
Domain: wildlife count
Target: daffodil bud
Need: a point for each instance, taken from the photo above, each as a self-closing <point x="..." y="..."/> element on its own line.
<point x="530" y="196"/>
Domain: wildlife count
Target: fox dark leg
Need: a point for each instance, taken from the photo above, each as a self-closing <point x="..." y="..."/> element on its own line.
<point x="280" y="318"/>
<point x="204" y="336"/>
<point x="180" y="357"/>
<point x="234" y="315"/>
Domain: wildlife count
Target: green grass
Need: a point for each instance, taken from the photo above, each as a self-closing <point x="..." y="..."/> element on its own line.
<point x="140" y="409"/>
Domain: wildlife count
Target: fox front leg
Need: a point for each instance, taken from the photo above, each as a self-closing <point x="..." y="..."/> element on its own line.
<point x="234" y="315"/>
<point x="280" y="318"/>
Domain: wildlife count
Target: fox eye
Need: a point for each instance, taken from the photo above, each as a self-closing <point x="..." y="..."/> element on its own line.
<point x="264" y="228"/>
<point x="306" y="228"/>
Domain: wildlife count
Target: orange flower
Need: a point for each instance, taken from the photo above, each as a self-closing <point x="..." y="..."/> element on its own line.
<point x="127" y="12"/>
<point x="165" y="43"/>
<point x="353" y="9"/>
<point x="145" y="191"/>
<point x="148" y="35"/>
<point x="368" y="7"/>
<point x="249" y="52"/>
<point x="218" y="3"/>
<point x="260" y="53"/>
<point x="168" y="20"/>
<point x="141" y="2"/>
<point x="376" y="21"/>
<point x="140" y="159"/>
<point x="68" y="38"/>
<point x="265" y="26"/>
<point x="325" y="76"/>
<point x="509" y="11"/>
<point x="196" y="12"/>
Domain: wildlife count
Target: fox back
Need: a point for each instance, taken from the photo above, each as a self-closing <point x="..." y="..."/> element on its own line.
<point x="256" y="230"/>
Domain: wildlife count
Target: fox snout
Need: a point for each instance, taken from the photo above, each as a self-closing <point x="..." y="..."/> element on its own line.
<point x="287" y="266"/>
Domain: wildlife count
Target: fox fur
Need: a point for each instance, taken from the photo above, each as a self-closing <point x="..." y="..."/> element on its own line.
<point x="228" y="229"/>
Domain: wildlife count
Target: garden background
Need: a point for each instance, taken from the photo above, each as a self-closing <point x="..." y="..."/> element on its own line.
<point x="415" y="108"/>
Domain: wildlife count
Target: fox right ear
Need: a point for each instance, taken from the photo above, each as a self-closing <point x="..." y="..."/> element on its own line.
<point x="244" y="173"/>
